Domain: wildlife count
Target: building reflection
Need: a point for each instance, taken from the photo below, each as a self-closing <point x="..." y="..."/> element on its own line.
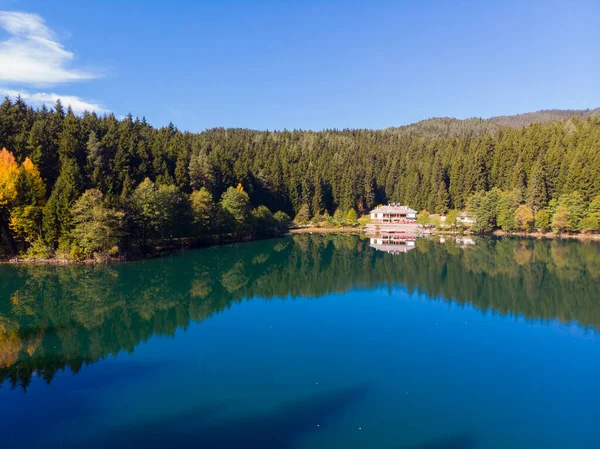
<point x="460" y="242"/>
<point x="393" y="244"/>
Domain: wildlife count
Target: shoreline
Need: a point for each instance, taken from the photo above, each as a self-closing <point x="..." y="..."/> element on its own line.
<point x="218" y="240"/>
<point x="547" y="235"/>
<point x="156" y="252"/>
<point x="326" y="230"/>
<point x="498" y="233"/>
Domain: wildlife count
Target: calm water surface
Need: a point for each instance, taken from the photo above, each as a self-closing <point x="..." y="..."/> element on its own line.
<point x="307" y="342"/>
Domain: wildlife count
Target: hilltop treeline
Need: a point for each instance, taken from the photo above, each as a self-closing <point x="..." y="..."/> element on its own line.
<point x="451" y="127"/>
<point x="52" y="317"/>
<point x="319" y="172"/>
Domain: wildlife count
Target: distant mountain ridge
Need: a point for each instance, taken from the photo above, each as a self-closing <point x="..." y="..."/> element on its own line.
<point x="452" y="127"/>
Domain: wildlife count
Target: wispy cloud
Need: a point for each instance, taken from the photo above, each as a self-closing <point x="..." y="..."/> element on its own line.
<point x="32" y="54"/>
<point x="49" y="99"/>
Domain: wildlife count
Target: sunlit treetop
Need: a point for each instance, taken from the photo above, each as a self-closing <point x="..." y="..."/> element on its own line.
<point x="9" y="170"/>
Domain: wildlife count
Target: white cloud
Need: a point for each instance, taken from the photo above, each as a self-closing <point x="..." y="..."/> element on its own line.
<point x="49" y="99"/>
<point x="32" y="55"/>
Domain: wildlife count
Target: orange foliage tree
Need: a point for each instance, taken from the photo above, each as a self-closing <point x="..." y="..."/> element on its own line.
<point x="9" y="171"/>
<point x="22" y="197"/>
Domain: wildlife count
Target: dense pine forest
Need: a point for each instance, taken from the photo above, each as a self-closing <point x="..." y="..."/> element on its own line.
<point x="85" y="185"/>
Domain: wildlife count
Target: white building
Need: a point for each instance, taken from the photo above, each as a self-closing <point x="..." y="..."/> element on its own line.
<point x="393" y="213"/>
<point x="465" y="218"/>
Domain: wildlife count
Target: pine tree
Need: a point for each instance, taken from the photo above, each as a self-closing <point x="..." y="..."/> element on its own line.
<point x="70" y="141"/>
<point x="351" y="216"/>
<point x="57" y="217"/>
<point x="575" y="207"/>
<point x="201" y="172"/>
<point x="506" y="209"/>
<point x="537" y="191"/>
<point x="95" y="168"/>
<point x="442" y="199"/>
<point x="43" y="152"/>
<point x="303" y="215"/>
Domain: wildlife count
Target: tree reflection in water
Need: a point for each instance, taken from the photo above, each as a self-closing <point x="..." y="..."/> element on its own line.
<point x="54" y="317"/>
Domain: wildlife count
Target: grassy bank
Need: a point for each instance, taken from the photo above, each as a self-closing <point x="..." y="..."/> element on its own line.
<point x="161" y="250"/>
<point x="310" y="229"/>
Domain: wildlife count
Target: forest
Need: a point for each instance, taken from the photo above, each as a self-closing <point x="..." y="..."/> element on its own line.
<point x="85" y="185"/>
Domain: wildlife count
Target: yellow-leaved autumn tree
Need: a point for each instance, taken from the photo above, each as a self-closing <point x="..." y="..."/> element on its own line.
<point x="26" y="215"/>
<point x="35" y="189"/>
<point x="22" y="197"/>
<point x="9" y="171"/>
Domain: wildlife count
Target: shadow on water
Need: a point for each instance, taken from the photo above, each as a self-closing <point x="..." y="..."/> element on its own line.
<point x="74" y="405"/>
<point x="465" y="441"/>
<point x="206" y="428"/>
<point x="124" y="371"/>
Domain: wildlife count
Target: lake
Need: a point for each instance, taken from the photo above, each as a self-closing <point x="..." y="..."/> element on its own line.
<point x="310" y="341"/>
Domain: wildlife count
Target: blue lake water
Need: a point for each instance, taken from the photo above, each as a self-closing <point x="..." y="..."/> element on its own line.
<point x="307" y="342"/>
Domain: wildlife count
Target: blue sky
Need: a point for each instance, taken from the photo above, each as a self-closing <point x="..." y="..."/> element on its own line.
<point x="302" y="64"/>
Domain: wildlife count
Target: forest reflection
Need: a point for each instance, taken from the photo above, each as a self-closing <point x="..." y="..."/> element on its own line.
<point x="57" y="317"/>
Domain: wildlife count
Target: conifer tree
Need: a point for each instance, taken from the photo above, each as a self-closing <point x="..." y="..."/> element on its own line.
<point x="537" y="191"/>
<point x="303" y="215"/>
<point x="70" y="146"/>
<point x="95" y="168"/>
<point x="57" y="216"/>
<point x="575" y="207"/>
<point x="201" y="172"/>
<point x="42" y="151"/>
<point x="351" y="216"/>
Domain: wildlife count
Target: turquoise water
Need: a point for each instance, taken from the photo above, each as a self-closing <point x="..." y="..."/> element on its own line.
<point x="307" y="342"/>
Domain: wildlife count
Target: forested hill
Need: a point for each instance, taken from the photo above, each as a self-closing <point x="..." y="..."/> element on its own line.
<point x="451" y="127"/>
<point x="161" y="183"/>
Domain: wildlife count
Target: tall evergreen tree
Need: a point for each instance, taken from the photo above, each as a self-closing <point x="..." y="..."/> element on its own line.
<point x="537" y="190"/>
<point x="57" y="214"/>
